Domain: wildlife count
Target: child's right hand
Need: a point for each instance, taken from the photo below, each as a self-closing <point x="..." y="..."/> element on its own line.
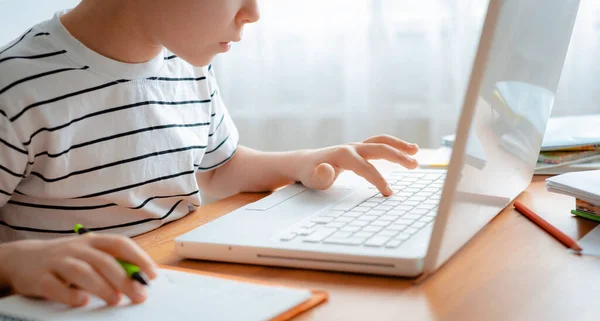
<point x="68" y="270"/>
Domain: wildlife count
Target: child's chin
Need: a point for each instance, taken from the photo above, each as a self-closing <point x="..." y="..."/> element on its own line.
<point x="200" y="61"/>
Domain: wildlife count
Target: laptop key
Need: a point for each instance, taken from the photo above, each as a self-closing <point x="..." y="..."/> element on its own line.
<point x="350" y="229"/>
<point x="393" y="244"/>
<point x="418" y="224"/>
<point x="412" y="217"/>
<point x="375" y="212"/>
<point x="352" y="214"/>
<point x="345" y="241"/>
<point x="396" y="227"/>
<point x="377" y="241"/>
<point x="388" y="217"/>
<point x="388" y="233"/>
<point x="426" y="219"/>
<point x="341" y="234"/>
<point x="335" y="224"/>
<point x="392" y="202"/>
<point x="402" y="236"/>
<point x="429" y="195"/>
<point x="369" y="204"/>
<point x="396" y="212"/>
<point x="308" y="224"/>
<point x="419" y="211"/>
<point x="344" y="219"/>
<point x="384" y="208"/>
<point x="367" y="218"/>
<point x="403" y="207"/>
<point x="411" y="230"/>
<point x="359" y="223"/>
<point x="304" y="231"/>
<point x="380" y="223"/>
<point x="287" y="236"/>
<point x="371" y="228"/>
<point x="319" y="235"/>
<point x="411" y="203"/>
<point x="363" y="234"/>
<point x="404" y="221"/>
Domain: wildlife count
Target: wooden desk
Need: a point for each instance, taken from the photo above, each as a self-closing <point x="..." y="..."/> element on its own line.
<point x="512" y="270"/>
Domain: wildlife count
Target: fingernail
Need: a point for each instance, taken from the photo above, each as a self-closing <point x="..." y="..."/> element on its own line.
<point x="414" y="145"/>
<point x="389" y="190"/>
<point x="81" y="299"/>
<point x="140" y="292"/>
<point x="115" y="299"/>
<point x="152" y="273"/>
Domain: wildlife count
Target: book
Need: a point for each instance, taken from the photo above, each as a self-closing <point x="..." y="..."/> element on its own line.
<point x="546" y="169"/>
<point x="584" y="186"/>
<point x="587" y="207"/>
<point x="572" y="133"/>
<point x="581" y="185"/>
<point x="559" y="157"/>
<point x="179" y="294"/>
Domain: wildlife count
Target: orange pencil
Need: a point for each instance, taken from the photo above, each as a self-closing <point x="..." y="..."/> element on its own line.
<point x="564" y="238"/>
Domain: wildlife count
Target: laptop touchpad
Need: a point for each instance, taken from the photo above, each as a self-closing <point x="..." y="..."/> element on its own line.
<point x="292" y="191"/>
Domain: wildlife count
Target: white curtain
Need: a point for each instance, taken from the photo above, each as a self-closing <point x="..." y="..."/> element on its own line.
<point x="315" y="73"/>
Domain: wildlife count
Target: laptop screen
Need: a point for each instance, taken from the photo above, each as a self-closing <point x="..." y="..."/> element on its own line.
<point x="504" y="116"/>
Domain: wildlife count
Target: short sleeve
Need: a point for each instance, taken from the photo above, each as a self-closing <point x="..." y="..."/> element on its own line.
<point x="223" y="136"/>
<point x="13" y="160"/>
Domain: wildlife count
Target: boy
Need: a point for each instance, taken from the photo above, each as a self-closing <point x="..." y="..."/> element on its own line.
<point x="104" y="122"/>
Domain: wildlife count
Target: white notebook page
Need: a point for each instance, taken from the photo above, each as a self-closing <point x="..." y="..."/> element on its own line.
<point x="174" y="295"/>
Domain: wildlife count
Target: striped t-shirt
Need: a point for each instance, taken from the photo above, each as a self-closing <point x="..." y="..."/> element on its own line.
<point x="113" y="146"/>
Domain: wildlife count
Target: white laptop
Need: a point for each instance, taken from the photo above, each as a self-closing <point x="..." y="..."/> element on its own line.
<point x="352" y="228"/>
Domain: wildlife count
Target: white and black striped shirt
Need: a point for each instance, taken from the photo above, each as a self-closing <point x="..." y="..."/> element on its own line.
<point x="113" y="146"/>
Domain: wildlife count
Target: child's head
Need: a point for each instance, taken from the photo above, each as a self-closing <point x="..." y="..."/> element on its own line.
<point x="196" y="30"/>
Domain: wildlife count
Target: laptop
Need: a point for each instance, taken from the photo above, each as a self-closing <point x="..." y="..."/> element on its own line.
<point x="352" y="228"/>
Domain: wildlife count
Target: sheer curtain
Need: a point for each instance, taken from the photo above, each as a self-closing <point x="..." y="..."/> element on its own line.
<point x="315" y="73"/>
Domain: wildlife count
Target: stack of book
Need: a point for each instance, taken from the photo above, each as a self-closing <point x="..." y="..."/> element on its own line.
<point x="584" y="186"/>
<point x="570" y="144"/>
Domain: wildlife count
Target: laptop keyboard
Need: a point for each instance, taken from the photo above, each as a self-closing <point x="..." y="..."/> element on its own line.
<point x="366" y="218"/>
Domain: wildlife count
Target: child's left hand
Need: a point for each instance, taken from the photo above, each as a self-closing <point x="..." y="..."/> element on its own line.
<point x="323" y="166"/>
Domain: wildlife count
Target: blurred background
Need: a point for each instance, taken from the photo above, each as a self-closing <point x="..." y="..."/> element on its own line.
<point x="315" y="73"/>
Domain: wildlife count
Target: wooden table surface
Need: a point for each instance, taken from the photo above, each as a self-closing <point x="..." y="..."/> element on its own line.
<point x="511" y="270"/>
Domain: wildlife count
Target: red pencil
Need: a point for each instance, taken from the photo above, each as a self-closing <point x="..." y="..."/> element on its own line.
<point x="564" y="238"/>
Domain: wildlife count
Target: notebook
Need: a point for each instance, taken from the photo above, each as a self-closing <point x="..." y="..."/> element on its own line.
<point x="544" y="169"/>
<point x="179" y="294"/>
<point x="572" y="133"/>
<point x="582" y="185"/>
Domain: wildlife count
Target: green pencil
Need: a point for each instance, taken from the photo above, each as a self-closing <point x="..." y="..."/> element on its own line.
<point x="586" y="215"/>
<point x="132" y="270"/>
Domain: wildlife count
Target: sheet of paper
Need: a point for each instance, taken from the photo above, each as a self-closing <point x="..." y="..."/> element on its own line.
<point x="590" y="243"/>
<point x="173" y="295"/>
<point x="584" y="185"/>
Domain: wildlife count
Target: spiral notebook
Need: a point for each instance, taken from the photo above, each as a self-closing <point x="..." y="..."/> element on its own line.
<point x="179" y="294"/>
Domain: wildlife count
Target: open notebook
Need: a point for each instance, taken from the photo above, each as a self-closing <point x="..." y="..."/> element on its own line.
<point x="178" y="294"/>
